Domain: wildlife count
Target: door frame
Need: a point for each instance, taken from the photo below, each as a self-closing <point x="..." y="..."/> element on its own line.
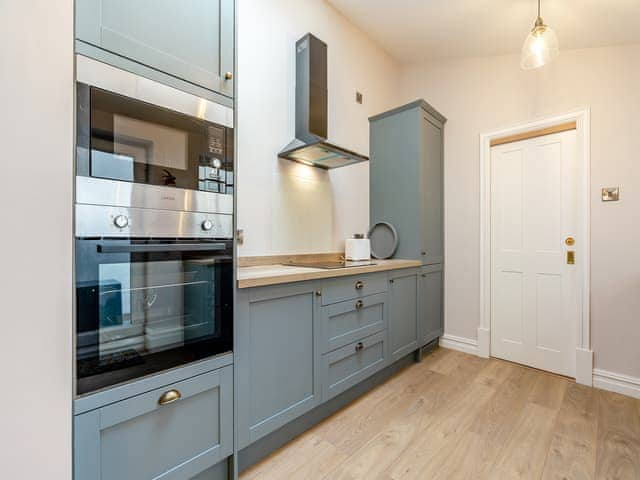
<point x="584" y="354"/>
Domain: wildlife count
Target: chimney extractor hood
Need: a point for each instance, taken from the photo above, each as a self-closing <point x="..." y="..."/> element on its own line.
<point x="310" y="145"/>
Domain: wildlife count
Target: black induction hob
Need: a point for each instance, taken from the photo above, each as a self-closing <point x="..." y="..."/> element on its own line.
<point x="331" y="265"/>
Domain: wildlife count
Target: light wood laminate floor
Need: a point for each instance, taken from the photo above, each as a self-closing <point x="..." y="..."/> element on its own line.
<point x="457" y="416"/>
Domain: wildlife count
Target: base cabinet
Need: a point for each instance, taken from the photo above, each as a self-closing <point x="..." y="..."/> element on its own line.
<point x="142" y="438"/>
<point x="403" y="313"/>
<point x="299" y="345"/>
<point x="276" y="358"/>
<point x="345" y="367"/>
<point x="430" y="312"/>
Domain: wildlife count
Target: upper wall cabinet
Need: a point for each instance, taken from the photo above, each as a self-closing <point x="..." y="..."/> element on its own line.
<point x="188" y="44"/>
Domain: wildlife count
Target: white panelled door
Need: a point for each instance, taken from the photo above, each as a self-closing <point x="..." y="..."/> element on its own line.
<point x="534" y="215"/>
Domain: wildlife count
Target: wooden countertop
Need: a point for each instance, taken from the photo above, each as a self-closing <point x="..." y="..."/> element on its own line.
<point x="262" y="275"/>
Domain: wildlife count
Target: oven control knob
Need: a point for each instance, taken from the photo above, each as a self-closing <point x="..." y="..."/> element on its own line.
<point x="121" y="221"/>
<point x="207" y="225"/>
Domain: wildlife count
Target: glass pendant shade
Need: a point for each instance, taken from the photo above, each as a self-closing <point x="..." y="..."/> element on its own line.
<point x="540" y="47"/>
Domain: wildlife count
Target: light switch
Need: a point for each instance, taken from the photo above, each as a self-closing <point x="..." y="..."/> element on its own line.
<point x="611" y="194"/>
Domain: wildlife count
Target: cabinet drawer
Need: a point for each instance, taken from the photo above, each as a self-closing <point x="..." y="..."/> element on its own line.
<point x="349" y="321"/>
<point x="349" y="365"/>
<point x="139" y="438"/>
<point x="356" y="286"/>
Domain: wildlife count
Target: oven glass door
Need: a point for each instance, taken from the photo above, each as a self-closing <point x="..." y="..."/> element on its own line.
<point x="145" y="306"/>
<point x="133" y="141"/>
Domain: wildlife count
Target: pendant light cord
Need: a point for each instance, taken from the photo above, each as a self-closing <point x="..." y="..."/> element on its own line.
<point x="538" y="8"/>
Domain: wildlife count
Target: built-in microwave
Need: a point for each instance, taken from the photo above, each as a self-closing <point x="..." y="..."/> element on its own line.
<point x="130" y="129"/>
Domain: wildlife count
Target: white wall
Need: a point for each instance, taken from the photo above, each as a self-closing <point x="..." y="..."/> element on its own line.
<point x="285" y="207"/>
<point x="36" y="95"/>
<point x="481" y="95"/>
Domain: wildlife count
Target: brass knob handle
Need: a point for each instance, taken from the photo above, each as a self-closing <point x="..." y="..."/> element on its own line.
<point x="359" y="304"/>
<point x="228" y="76"/>
<point x="318" y="293"/>
<point x="359" y="346"/>
<point x="169" y="397"/>
<point x="359" y="285"/>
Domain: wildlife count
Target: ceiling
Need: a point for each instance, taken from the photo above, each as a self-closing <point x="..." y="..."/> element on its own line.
<point x="421" y="30"/>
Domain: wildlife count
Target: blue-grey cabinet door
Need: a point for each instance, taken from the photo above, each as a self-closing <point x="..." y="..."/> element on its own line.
<point x="351" y="320"/>
<point x="431" y="303"/>
<point x="347" y="366"/>
<point x="140" y="439"/>
<point x="192" y="40"/>
<point x="403" y="312"/>
<point x="394" y="178"/>
<point x="431" y="191"/>
<point x="276" y="357"/>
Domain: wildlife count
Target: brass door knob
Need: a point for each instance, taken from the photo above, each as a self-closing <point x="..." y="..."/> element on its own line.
<point x="570" y="241"/>
<point x="169" y="397"/>
<point x="359" y="304"/>
<point x="359" y="285"/>
<point x="228" y="76"/>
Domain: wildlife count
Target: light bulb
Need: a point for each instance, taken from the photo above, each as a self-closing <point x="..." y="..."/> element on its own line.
<point x="540" y="47"/>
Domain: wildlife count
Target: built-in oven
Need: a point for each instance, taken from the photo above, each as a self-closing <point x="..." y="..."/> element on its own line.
<point x="146" y="305"/>
<point x="153" y="227"/>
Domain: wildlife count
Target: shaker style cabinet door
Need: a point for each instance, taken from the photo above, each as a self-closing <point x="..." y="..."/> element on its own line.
<point x="276" y="358"/>
<point x="431" y="192"/>
<point x="403" y="313"/>
<point x="430" y="311"/>
<point x="192" y="40"/>
<point x="171" y="433"/>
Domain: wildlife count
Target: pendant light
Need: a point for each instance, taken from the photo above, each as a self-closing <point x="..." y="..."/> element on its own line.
<point x="540" y="47"/>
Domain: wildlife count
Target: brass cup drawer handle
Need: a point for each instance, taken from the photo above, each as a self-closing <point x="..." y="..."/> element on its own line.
<point x="169" y="397"/>
<point x="359" y="285"/>
<point x="359" y="304"/>
<point x="359" y="347"/>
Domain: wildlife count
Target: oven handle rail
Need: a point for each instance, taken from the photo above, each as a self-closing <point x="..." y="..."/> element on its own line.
<point x="160" y="247"/>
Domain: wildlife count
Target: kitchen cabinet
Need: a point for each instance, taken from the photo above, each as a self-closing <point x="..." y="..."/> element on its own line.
<point x="351" y="320"/>
<point x="345" y="367"/>
<point x="406" y="178"/>
<point x="403" y="313"/>
<point x="276" y="357"/>
<point x="176" y="431"/>
<point x="352" y="287"/>
<point x="430" y="311"/>
<point x="188" y="44"/>
<point x="305" y="348"/>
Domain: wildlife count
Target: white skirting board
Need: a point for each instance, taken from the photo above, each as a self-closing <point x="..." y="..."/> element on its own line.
<point x="462" y="344"/>
<point x="616" y="382"/>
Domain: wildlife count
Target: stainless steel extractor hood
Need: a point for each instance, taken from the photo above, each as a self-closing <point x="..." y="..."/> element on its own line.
<point x="310" y="145"/>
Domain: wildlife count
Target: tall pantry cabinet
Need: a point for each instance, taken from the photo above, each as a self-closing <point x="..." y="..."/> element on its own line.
<point x="406" y="190"/>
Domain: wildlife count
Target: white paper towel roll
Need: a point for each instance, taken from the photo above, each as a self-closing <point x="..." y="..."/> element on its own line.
<point x="357" y="249"/>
